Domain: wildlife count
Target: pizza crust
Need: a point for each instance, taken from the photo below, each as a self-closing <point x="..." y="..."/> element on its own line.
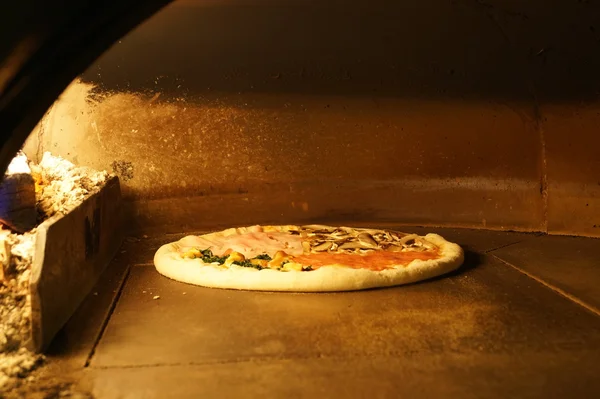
<point x="324" y="279"/>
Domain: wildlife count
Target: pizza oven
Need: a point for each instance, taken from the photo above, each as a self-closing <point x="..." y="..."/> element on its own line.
<point x="477" y="120"/>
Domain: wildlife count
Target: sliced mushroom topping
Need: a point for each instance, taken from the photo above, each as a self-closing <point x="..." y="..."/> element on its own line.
<point x="348" y="230"/>
<point x="340" y="236"/>
<point x="352" y="245"/>
<point x="320" y="229"/>
<point x="381" y="237"/>
<point x="396" y="235"/>
<point x="394" y="247"/>
<point x="326" y="246"/>
<point x="426" y="244"/>
<point x="409" y="239"/>
<point x="372" y="231"/>
<point x="321" y="238"/>
<point x="415" y="242"/>
<point x="343" y="240"/>
<point x="367" y="240"/>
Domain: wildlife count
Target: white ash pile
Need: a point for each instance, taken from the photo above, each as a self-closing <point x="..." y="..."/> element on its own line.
<point x="15" y="366"/>
<point x="59" y="187"/>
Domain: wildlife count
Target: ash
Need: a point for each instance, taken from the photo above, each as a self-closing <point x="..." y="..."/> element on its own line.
<point x="60" y="187"/>
<point x="17" y="365"/>
<point x="15" y="310"/>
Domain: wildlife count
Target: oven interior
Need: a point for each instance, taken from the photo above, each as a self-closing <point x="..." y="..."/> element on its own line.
<point x="473" y="119"/>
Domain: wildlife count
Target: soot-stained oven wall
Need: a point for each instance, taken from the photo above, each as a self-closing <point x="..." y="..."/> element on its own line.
<point x="463" y="113"/>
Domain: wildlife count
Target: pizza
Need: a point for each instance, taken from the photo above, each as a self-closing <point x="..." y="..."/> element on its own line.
<point x="313" y="258"/>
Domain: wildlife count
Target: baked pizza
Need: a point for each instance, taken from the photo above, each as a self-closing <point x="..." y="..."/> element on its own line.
<point x="313" y="258"/>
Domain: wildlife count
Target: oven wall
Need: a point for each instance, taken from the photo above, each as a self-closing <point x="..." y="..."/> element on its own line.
<point x="459" y="113"/>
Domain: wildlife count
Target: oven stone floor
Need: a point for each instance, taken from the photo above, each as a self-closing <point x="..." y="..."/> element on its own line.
<point x="520" y="319"/>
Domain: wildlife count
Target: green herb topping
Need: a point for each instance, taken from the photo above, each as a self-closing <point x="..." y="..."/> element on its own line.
<point x="247" y="263"/>
<point x="209" y="257"/>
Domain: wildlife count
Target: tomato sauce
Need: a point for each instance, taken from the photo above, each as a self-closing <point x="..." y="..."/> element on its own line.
<point x="376" y="260"/>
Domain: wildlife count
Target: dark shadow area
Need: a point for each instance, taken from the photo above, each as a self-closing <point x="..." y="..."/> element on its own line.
<point x="60" y="344"/>
<point x="472" y="260"/>
<point x="459" y="49"/>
